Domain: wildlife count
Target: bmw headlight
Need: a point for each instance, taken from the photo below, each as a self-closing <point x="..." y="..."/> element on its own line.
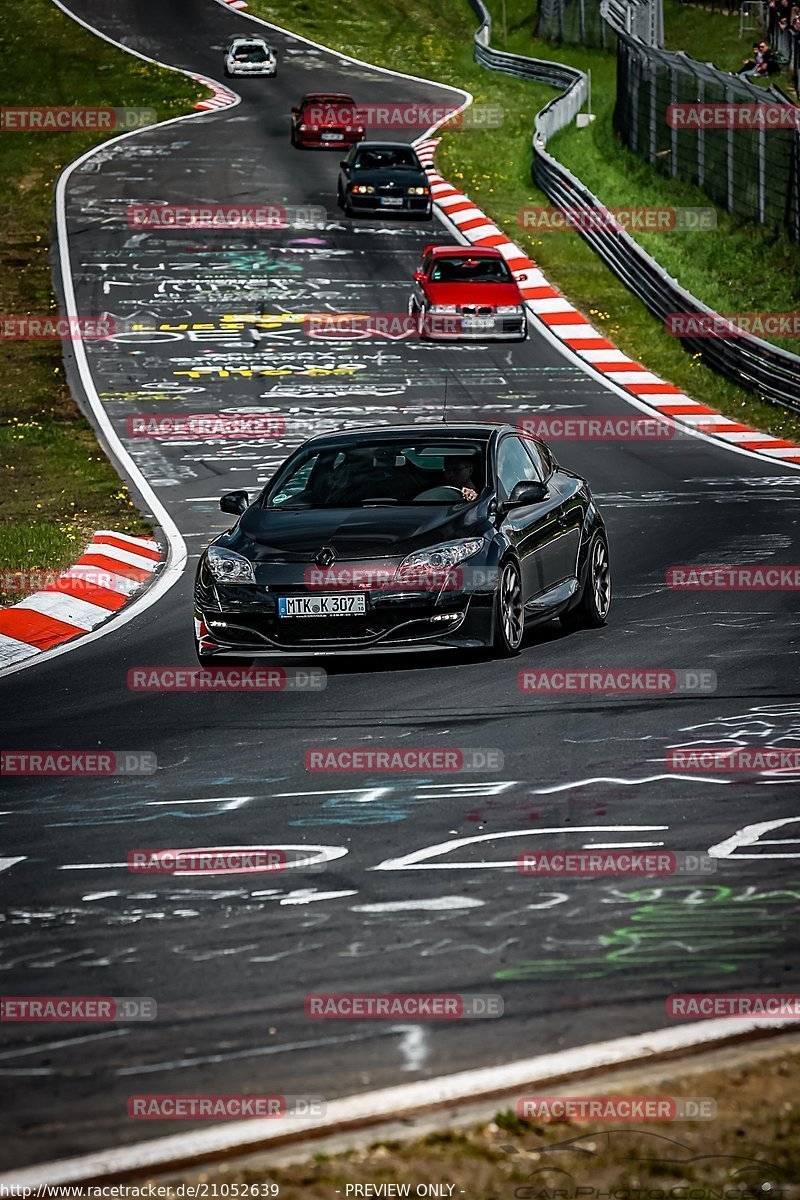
<point x="418" y="191"/>
<point x="363" y="189"/>
<point x="510" y="310"/>
<point x="228" y="567"/>
<point x="442" y="558"/>
<point x="443" y="308"/>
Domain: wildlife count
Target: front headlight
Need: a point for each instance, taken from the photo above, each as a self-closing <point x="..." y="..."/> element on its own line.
<point x="363" y="189"/>
<point x="441" y="558"/>
<point x="419" y="191"/>
<point x="443" y="308"/>
<point x="510" y="310"/>
<point x="228" y="567"/>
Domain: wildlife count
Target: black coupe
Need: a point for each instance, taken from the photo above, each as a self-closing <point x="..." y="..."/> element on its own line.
<point x="383" y="177"/>
<point x="405" y="538"/>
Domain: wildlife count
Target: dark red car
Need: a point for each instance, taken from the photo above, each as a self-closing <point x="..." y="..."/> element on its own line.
<point x="467" y="292"/>
<point x="326" y="121"/>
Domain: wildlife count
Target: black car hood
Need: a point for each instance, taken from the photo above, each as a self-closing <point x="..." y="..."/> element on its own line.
<point x="405" y="176"/>
<point x="269" y="535"/>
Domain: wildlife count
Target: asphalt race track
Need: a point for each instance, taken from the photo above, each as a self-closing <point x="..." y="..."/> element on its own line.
<point x="230" y="960"/>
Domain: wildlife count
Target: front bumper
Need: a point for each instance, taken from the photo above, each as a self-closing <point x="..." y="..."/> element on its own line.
<point x="245" y="72"/>
<point x="242" y="621"/>
<point x="502" y="329"/>
<point x="418" y="205"/>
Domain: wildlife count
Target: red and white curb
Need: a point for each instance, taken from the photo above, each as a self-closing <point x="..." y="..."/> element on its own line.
<point x="221" y="98"/>
<point x="112" y="570"/>
<point x="571" y="327"/>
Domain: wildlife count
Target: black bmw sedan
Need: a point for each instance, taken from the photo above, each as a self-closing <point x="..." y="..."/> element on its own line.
<point x="383" y="177"/>
<point x="406" y="538"/>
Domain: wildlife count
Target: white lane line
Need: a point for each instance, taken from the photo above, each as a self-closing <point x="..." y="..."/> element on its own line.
<point x="371" y="1108"/>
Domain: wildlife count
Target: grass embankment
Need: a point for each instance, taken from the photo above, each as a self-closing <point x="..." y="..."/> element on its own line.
<point x="734" y="269"/>
<point x="57" y="485"/>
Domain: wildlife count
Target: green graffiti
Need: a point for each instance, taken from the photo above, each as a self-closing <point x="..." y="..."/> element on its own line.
<point x="685" y="931"/>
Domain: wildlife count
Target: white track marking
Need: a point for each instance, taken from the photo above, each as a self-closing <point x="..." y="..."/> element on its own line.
<point x="750" y="835"/>
<point x="5" y="863"/>
<point x="416" y="859"/>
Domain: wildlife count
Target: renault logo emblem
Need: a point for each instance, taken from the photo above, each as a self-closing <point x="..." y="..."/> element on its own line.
<point x="325" y="557"/>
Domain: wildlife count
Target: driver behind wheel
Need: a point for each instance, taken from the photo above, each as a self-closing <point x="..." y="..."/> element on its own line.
<point x="458" y="473"/>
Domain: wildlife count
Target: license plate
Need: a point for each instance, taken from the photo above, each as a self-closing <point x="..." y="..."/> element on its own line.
<point x="333" y="137"/>
<point x="321" y="606"/>
<point x="478" y="322"/>
<point x="395" y="201"/>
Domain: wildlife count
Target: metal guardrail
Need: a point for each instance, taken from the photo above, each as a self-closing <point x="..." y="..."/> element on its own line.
<point x="772" y="373"/>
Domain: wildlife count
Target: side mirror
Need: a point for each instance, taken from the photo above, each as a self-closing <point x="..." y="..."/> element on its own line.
<point x="343" y="163"/>
<point x="419" y="276"/>
<point x="527" y="491"/>
<point x="234" y="502"/>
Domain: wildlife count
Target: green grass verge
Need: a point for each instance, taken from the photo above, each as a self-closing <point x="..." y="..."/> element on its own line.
<point x="57" y="485"/>
<point x="726" y="268"/>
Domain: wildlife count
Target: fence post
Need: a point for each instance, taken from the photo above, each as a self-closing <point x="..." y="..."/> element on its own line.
<point x="701" y="137"/>
<point x="653" y="110"/>
<point x="673" y="137"/>
<point x="729" y="140"/>
<point x="582" y="22"/>
<point x="762" y="176"/>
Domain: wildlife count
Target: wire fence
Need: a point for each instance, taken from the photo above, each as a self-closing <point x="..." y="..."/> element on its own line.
<point x="662" y="113"/>
<point x="750" y="362"/>
<point x="784" y="39"/>
<point x="585" y="22"/>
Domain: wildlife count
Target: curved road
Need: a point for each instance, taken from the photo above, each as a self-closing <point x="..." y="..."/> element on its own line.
<point x="230" y="960"/>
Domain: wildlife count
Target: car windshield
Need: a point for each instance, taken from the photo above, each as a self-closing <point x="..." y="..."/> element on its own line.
<point x="250" y="53"/>
<point x="380" y="159"/>
<point x="455" y="269"/>
<point x="381" y="473"/>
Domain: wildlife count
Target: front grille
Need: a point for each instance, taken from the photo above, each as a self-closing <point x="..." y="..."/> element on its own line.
<point x="265" y="629"/>
<point x="477" y="310"/>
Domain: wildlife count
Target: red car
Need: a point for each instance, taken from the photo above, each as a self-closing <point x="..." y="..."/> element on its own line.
<point x="326" y="121"/>
<point x="467" y="292"/>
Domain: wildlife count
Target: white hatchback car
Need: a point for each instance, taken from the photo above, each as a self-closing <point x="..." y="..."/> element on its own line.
<point x="249" y="56"/>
